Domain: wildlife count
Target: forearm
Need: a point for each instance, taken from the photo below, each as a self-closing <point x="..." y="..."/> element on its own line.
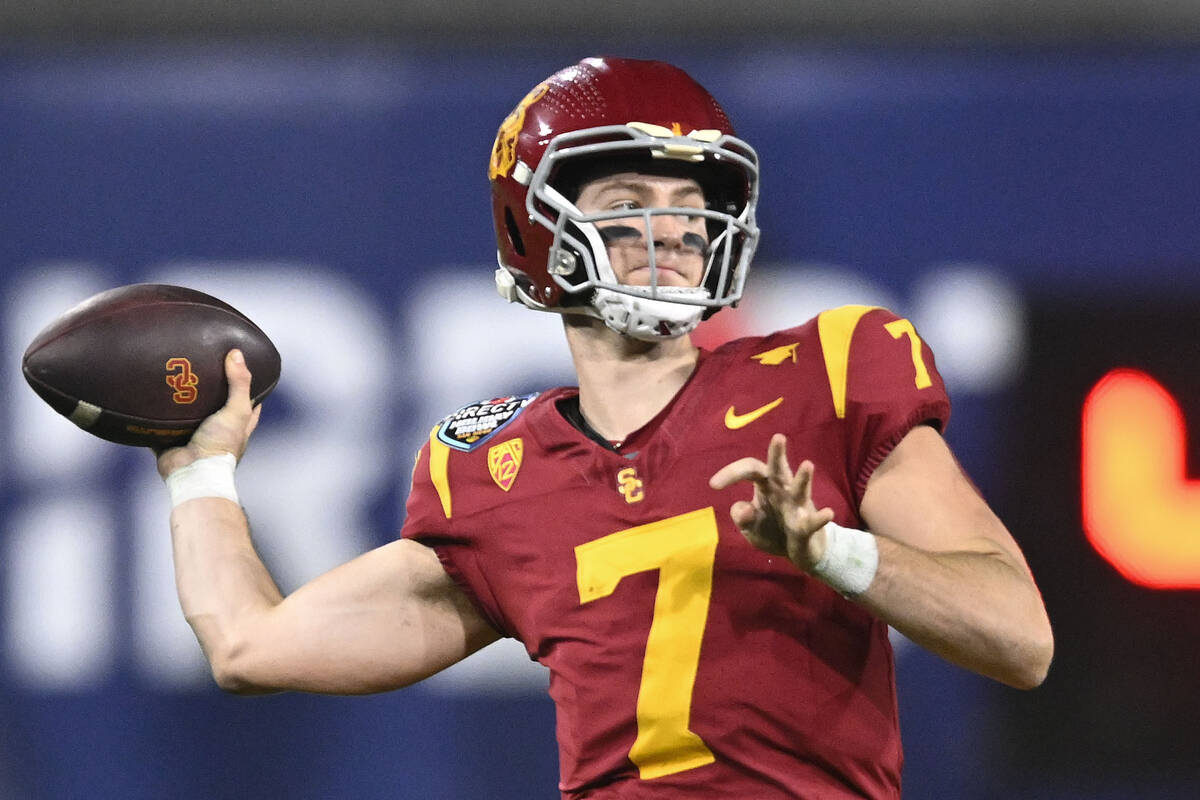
<point x="221" y="581"/>
<point x="978" y="609"/>
<point x="386" y="619"/>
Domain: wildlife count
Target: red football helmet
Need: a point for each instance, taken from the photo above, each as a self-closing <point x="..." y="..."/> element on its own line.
<point x="607" y="115"/>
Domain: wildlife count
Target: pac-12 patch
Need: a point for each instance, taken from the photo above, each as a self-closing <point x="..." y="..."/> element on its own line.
<point x="504" y="461"/>
<point x="472" y="424"/>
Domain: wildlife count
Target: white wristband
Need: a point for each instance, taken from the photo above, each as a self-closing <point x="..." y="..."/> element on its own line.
<point x="850" y="561"/>
<point x="205" y="477"/>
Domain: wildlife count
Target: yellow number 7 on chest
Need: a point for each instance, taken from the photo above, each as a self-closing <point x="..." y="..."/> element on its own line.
<point x="682" y="548"/>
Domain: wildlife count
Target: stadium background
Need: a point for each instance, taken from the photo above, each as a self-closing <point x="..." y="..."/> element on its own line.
<point x="1022" y="183"/>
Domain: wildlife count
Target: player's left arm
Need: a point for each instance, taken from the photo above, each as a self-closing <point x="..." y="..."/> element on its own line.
<point x="951" y="577"/>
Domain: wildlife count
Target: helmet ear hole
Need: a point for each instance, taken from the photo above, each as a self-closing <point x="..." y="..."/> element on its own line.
<point x="514" y="233"/>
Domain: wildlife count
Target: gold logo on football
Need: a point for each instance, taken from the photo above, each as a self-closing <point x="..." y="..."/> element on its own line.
<point x="504" y="461"/>
<point x="181" y="378"/>
<point x="504" y="151"/>
<point x="630" y="485"/>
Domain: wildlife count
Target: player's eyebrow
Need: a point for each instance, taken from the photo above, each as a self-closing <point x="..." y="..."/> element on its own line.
<point x="642" y="188"/>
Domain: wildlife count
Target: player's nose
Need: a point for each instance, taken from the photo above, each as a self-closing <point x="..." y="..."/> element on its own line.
<point x="676" y="232"/>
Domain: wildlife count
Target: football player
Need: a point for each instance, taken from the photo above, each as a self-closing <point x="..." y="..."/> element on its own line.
<point x="705" y="548"/>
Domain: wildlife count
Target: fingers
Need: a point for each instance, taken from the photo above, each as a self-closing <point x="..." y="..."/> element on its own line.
<point x="797" y="485"/>
<point x="775" y="469"/>
<point x="777" y="465"/>
<point x="781" y="517"/>
<point x="238" y="376"/>
<point x="801" y="484"/>
<point x="824" y="516"/>
<point x="773" y="476"/>
<point x="743" y="514"/>
<point x="744" y="469"/>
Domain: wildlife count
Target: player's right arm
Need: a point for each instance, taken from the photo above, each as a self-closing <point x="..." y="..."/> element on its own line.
<point x="384" y="620"/>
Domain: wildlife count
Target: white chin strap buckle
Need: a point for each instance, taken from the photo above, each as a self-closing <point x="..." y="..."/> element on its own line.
<point x="506" y="285"/>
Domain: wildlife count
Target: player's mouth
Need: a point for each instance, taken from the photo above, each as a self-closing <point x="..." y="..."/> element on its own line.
<point x="669" y="274"/>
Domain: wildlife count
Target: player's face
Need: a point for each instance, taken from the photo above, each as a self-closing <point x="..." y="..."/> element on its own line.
<point x="680" y="242"/>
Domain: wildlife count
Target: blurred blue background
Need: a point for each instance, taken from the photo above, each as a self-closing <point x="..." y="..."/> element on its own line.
<point x="1008" y="195"/>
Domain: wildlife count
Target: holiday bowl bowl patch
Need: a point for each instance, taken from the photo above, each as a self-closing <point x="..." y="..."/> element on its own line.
<point x="473" y="424"/>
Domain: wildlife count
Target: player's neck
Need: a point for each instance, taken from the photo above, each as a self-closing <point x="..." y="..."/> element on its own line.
<point x="623" y="382"/>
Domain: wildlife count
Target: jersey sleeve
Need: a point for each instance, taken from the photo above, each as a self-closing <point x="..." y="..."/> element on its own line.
<point x="429" y="520"/>
<point x="883" y="381"/>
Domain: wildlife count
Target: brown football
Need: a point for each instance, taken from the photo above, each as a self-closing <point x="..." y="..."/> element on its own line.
<point x="145" y="364"/>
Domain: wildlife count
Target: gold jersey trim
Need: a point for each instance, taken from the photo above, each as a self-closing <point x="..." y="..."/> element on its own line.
<point x="439" y="469"/>
<point x="836" y="328"/>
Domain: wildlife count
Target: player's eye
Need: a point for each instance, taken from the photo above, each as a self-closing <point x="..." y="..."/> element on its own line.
<point x="623" y="205"/>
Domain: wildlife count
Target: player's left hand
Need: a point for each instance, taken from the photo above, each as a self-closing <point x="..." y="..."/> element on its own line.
<point x="781" y="518"/>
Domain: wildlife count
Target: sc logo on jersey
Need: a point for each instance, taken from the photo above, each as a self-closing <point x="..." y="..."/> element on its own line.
<point x="630" y="485"/>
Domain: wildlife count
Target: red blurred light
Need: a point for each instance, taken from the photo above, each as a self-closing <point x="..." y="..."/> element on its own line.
<point x="1140" y="512"/>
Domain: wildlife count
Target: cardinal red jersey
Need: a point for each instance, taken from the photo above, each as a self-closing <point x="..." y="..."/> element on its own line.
<point x="683" y="661"/>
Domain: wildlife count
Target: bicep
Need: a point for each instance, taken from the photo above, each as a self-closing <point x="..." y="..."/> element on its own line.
<point x="921" y="497"/>
<point x="386" y="619"/>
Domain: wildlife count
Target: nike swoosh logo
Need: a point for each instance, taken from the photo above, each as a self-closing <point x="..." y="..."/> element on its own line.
<point x="733" y="420"/>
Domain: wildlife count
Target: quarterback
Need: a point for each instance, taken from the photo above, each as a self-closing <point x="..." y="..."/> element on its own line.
<point x="705" y="548"/>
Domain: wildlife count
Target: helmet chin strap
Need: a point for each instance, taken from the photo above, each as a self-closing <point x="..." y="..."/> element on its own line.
<point x="638" y="317"/>
<point x="649" y="320"/>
